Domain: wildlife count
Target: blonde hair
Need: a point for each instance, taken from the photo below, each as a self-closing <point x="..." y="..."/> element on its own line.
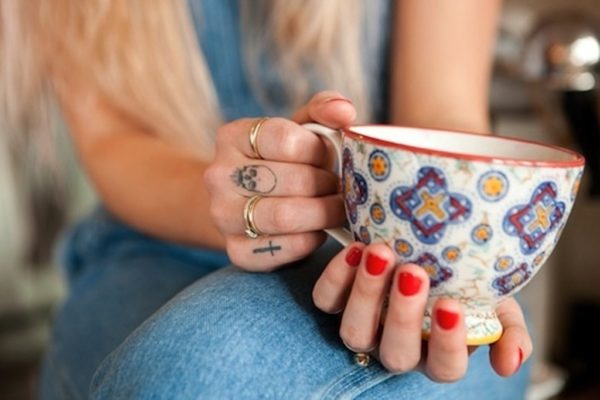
<point x="144" y="59"/>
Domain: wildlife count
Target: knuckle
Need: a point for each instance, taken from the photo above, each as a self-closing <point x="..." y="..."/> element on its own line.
<point x="398" y="363"/>
<point x="237" y="251"/>
<point x="282" y="217"/>
<point x="407" y="319"/>
<point x="321" y="302"/>
<point x="219" y="213"/>
<point x="366" y="288"/>
<point x="305" y="183"/>
<point x="445" y="374"/>
<point x="234" y="253"/>
<point x="355" y="339"/>
<point x="291" y="145"/>
<point x="213" y="176"/>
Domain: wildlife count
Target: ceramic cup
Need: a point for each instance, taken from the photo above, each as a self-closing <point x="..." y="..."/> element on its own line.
<point x="480" y="213"/>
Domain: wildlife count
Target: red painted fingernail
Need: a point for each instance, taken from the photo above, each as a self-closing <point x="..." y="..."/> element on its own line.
<point x="408" y="284"/>
<point x="446" y="319"/>
<point x="353" y="257"/>
<point x="375" y="265"/>
<point x="520" y="359"/>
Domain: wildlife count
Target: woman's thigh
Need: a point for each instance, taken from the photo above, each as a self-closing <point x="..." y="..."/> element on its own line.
<point x="242" y="335"/>
<point x="117" y="279"/>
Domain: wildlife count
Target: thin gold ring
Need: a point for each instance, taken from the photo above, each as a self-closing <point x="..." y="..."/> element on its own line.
<point x="253" y="137"/>
<point x="251" y="231"/>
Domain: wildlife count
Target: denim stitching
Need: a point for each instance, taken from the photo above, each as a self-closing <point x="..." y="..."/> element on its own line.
<point x="353" y="383"/>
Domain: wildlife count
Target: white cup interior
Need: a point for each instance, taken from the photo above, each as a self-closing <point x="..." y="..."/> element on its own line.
<point x="468" y="145"/>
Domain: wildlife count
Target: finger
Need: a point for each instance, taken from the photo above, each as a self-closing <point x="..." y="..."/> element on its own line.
<point x="515" y="345"/>
<point x="400" y="347"/>
<point x="267" y="253"/>
<point x="279" y="139"/>
<point x="333" y="286"/>
<point x="329" y="108"/>
<point x="447" y="355"/>
<point x="277" y="179"/>
<point x="361" y="319"/>
<point x="281" y="215"/>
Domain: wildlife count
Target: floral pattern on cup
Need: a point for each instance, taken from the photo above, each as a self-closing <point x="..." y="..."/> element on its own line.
<point x="470" y="219"/>
<point x="507" y="283"/>
<point x="493" y="186"/>
<point x="429" y="205"/>
<point x="437" y="272"/>
<point x="403" y="248"/>
<point x="377" y="213"/>
<point x="354" y="186"/>
<point x="379" y="165"/>
<point x="482" y="233"/>
<point x="451" y="254"/>
<point x="504" y="263"/>
<point x="531" y="222"/>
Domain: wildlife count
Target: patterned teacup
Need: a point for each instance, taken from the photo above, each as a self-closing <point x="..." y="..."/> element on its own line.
<point x="481" y="214"/>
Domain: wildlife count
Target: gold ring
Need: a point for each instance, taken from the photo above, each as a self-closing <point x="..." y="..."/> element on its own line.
<point x="254" y="131"/>
<point x="251" y="231"/>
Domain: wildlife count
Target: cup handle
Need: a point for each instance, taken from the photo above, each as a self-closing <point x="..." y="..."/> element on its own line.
<point x="342" y="235"/>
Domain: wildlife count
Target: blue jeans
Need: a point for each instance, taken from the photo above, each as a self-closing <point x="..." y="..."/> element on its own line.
<point x="149" y="320"/>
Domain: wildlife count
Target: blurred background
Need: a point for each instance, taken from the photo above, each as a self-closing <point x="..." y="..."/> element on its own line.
<point x="545" y="88"/>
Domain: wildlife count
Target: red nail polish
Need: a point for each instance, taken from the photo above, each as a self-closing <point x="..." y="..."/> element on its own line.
<point x="520" y="359"/>
<point x="408" y="284"/>
<point x="375" y="265"/>
<point x="353" y="257"/>
<point x="446" y="319"/>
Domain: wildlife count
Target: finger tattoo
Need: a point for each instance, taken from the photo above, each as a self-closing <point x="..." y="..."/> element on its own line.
<point x="255" y="178"/>
<point x="269" y="249"/>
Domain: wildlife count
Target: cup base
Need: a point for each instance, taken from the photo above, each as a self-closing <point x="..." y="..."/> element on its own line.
<point x="483" y="327"/>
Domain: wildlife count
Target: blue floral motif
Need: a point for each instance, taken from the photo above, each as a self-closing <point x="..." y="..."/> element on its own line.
<point x="532" y="222"/>
<point x="379" y="165"/>
<point x="403" y="248"/>
<point x="503" y="263"/>
<point x="507" y="283"/>
<point x="437" y="272"/>
<point x="377" y="213"/>
<point x="354" y="186"/>
<point x="493" y="186"/>
<point x="429" y="206"/>
<point x="482" y="233"/>
<point x="451" y="254"/>
<point x="364" y="235"/>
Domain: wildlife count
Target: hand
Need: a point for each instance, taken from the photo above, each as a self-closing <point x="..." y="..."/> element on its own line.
<point x="357" y="282"/>
<point x="300" y="192"/>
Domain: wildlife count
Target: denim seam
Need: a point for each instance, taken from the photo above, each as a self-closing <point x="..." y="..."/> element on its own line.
<point x="353" y="383"/>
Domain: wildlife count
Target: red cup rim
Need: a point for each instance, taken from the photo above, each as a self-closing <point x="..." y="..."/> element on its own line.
<point x="577" y="161"/>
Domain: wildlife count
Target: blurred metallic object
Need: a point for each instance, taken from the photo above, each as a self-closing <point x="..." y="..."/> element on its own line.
<point x="561" y="58"/>
<point x="563" y="54"/>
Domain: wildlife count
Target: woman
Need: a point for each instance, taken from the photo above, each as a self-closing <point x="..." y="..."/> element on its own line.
<point x="153" y="311"/>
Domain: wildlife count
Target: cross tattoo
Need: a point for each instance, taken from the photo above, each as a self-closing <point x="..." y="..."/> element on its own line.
<point x="270" y="249"/>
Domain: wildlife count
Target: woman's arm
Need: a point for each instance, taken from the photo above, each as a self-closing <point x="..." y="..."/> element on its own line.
<point x="441" y="63"/>
<point x="152" y="185"/>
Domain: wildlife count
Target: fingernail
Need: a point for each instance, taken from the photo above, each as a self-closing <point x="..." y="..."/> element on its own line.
<point x="375" y="265"/>
<point x="446" y="319"/>
<point x="520" y="359"/>
<point x="329" y="100"/>
<point x="408" y="284"/>
<point x="353" y="257"/>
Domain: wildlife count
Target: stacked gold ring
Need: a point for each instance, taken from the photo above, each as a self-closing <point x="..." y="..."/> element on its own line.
<point x="251" y="231"/>
<point x="254" y="131"/>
